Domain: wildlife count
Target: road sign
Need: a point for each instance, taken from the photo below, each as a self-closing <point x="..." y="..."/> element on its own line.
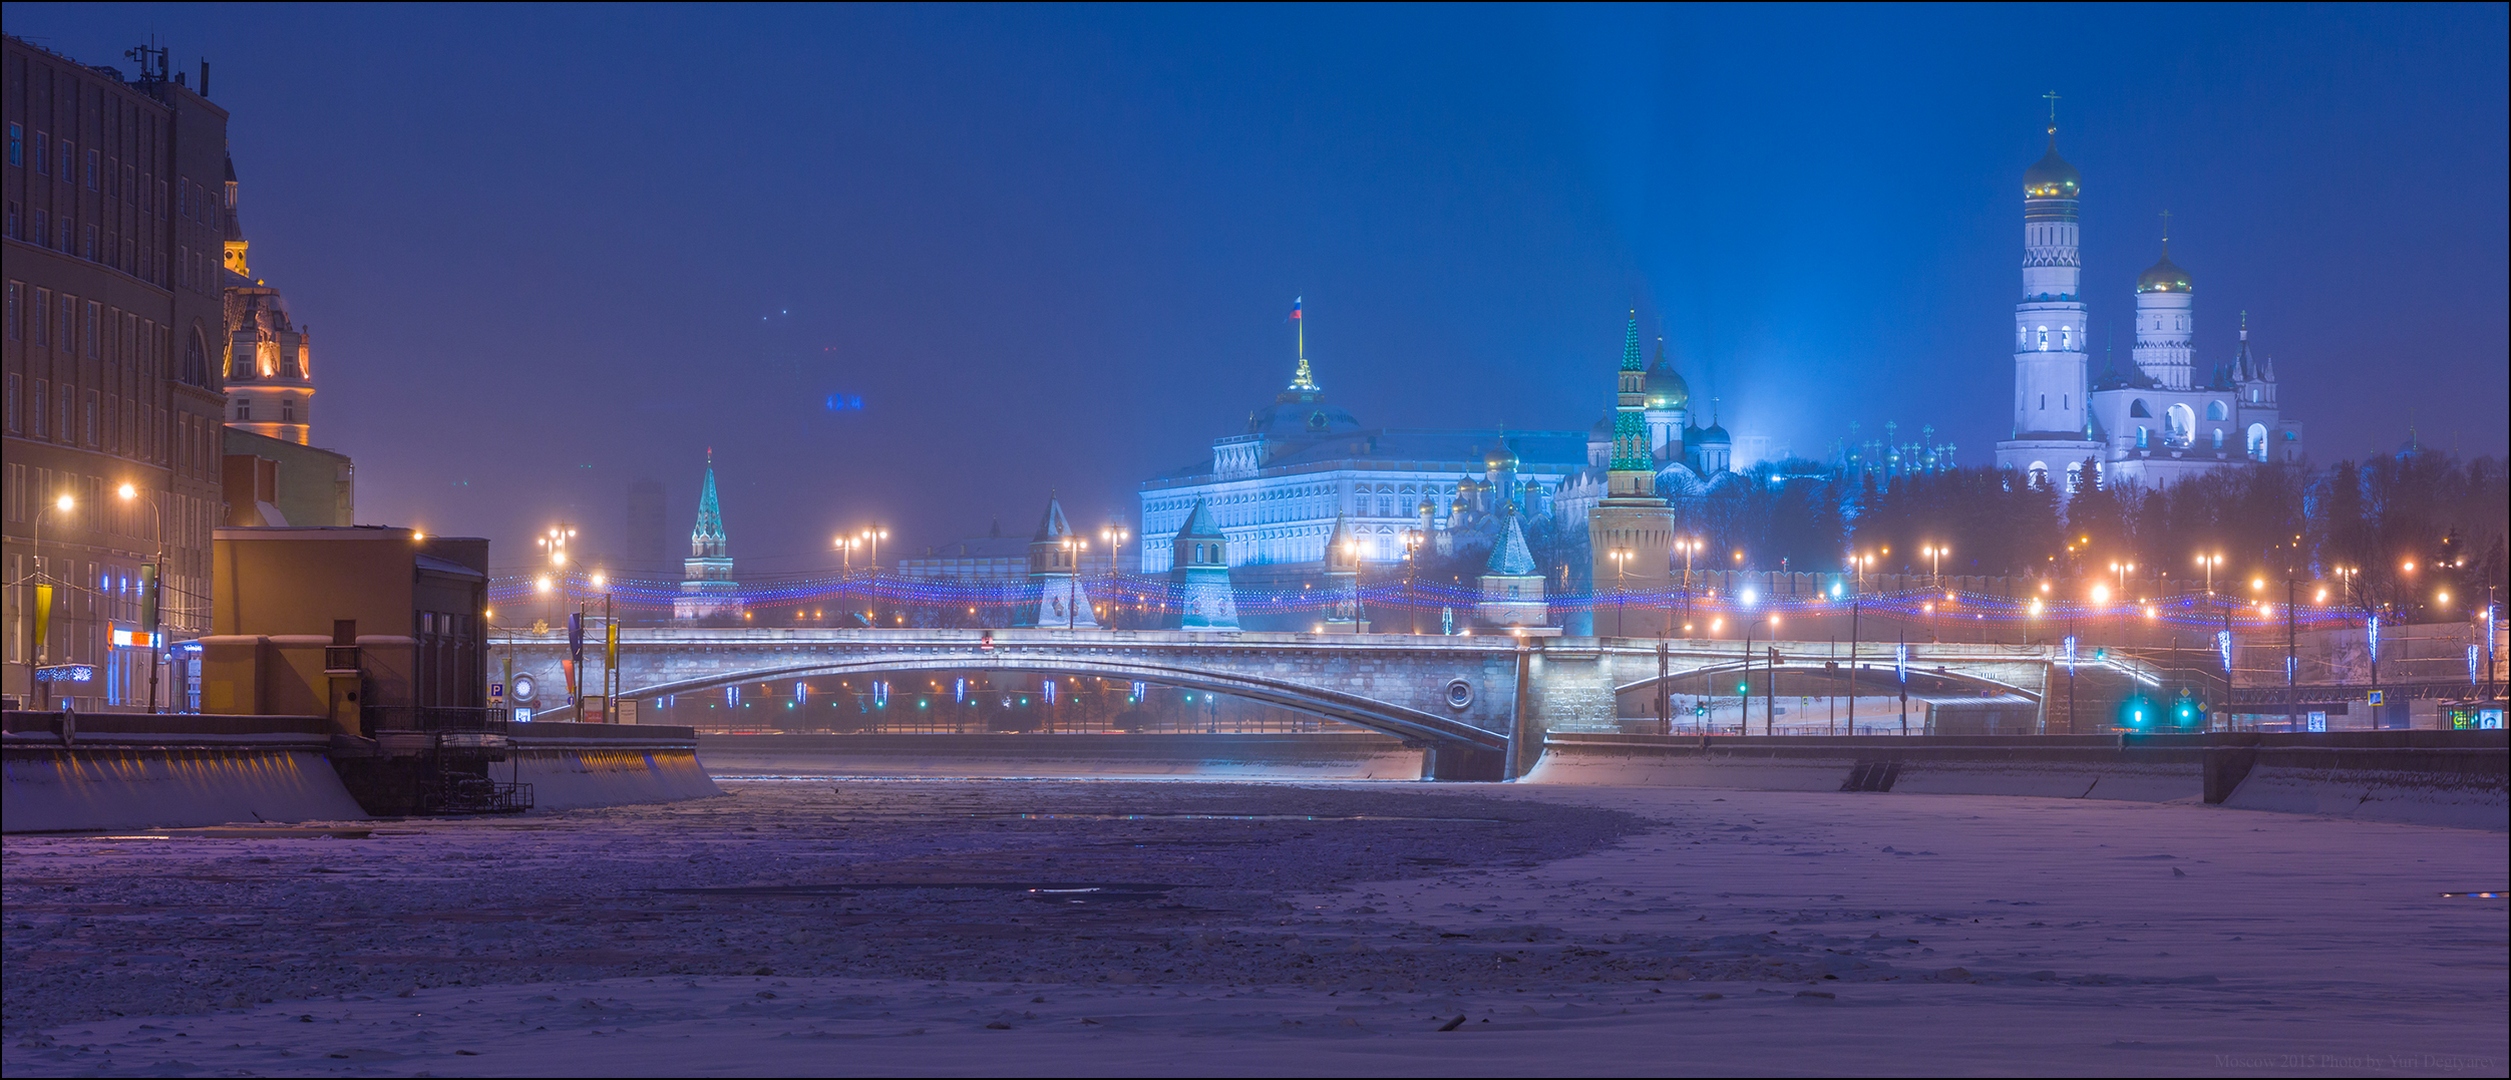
<point x="496" y="693"/>
<point x="2377" y="696"/>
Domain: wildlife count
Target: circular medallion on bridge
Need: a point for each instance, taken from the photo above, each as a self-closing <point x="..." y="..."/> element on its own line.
<point x="523" y="688"/>
<point x="1459" y="694"/>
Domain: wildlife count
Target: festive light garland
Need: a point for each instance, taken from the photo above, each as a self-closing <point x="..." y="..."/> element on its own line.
<point x="865" y="593"/>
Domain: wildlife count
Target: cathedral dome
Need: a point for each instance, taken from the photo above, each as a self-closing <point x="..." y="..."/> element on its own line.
<point x="1298" y="414"/>
<point x="2051" y="177"/>
<point x="2164" y="276"/>
<point x="1716" y="436"/>
<point x="1666" y="388"/>
<point x="1503" y="459"/>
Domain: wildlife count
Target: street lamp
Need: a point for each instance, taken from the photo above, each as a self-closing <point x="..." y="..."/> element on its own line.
<point x="1689" y="548"/>
<point x="148" y="603"/>
<point x="1412" y="546"/>
<point x="1073" y="547"/>
<point x="1621" y="584"/>
<point x="1935" y="554"/>
<point x="1115" y="536"/>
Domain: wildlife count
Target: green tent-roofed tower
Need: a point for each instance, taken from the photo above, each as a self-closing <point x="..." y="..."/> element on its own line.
<point x="707" y="590"/>
<point x="1630" y="533"/>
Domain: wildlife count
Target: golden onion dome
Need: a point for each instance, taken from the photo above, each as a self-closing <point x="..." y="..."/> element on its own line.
<point x="1666" y="388"/>
<point x="2052" y="178"/>
<point x="2164" y="276"/>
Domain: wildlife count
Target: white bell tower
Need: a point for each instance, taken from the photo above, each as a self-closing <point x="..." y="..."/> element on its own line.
<point x="2049" y="324"/>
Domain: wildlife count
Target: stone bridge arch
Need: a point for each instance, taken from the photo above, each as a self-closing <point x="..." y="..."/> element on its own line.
<point x="1400" y="689"/>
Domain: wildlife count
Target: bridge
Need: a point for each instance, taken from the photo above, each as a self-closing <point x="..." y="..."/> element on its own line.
<point x="1478" y="706"/>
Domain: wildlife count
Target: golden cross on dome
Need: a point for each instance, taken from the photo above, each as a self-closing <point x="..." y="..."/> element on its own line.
<point x="2053" y="112"/>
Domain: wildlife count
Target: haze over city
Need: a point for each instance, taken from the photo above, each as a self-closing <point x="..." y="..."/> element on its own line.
<point x="548" y="252"/>
<point x="1255" y="540"/>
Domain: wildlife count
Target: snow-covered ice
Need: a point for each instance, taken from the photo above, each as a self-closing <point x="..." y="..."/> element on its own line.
<point x="1118" y="927"/>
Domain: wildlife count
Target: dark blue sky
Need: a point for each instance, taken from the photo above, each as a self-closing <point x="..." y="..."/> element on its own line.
<point x="548" y="251"/>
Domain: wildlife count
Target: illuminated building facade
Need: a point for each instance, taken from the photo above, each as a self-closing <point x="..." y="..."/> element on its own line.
<point x="2153" y="424"/>
<point x="115" y="327"/>
<point x="1276" y="490"/>
<point x="269" y="360"/>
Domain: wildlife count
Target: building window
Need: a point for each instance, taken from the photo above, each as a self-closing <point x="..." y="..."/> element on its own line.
<point x="91" y="170"/>
<point x="69" y="162"/>
<point x="17" y="146"/>
<point x="95" y="312"/>
<point x="16" y="309"/>
<point x="39" y="401"/>
<point x="2044" y="402"/>
<point x="2044" y="339"/>
<point x="87" y="432"/>
<point x="244" y="410"/>
<point x="12" y="414"/>
<point x="65" y="432"/>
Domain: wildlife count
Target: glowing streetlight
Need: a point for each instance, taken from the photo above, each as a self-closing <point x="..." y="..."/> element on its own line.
<point x="1621" y="585"/>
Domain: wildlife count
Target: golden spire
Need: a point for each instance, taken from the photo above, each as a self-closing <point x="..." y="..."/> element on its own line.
<point x="1298" y="314"/>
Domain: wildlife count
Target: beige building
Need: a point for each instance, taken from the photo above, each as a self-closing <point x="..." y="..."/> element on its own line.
<point x="115" y="329"/>
<point x="276" y="482"/>
<point x="368" y="625"/>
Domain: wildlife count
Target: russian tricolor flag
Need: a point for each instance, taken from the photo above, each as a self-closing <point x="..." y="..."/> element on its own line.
<point x="1294" y="308"/>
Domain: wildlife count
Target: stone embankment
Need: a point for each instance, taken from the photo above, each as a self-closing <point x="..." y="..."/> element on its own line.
<point x="66" y="772"/>
<point x="2460" y="778"/>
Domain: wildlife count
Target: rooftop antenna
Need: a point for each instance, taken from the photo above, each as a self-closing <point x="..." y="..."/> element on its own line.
<point x="151" y="58"/>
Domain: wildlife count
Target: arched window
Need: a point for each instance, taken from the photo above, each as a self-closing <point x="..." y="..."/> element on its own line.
<point x="2218" y="439"/>
<point x="2066" y="338"/>
<point x="2039" y="473"/>
<point x="2215" y="411"/>
<point x="2139" y="408"/>
<point x="2258" y="442"/>
<point x="2180" y="424"/>
<point x="2044" y="401"/>
<point x="195" y="358"/>
<point x="2044" y="339"/>
<point x="2143" y="437"/>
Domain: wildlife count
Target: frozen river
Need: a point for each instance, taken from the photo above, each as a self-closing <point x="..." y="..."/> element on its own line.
<point x="1093" y="927"/>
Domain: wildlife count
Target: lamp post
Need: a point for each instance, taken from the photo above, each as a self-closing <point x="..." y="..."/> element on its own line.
<point x="36" y="625"/>
<point x="1689" y="548"/>
<point x="1621" y="583"/>
<point x="1412" y="548"/>
<point x="148" y="603"/>
<point x="1073" y="547"/>
<point x="1857" y="564"/>
<point x="1351" y="550"/>
<point x="1115" y="535"/>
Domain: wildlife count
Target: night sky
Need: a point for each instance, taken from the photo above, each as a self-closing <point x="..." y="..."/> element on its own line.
<point x="547" y="252"/>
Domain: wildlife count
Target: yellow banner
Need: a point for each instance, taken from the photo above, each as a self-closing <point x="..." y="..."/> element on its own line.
<point x="43" y="617"/>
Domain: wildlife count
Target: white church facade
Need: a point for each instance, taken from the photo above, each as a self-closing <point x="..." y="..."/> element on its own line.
<point x="2152" y="424"/>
